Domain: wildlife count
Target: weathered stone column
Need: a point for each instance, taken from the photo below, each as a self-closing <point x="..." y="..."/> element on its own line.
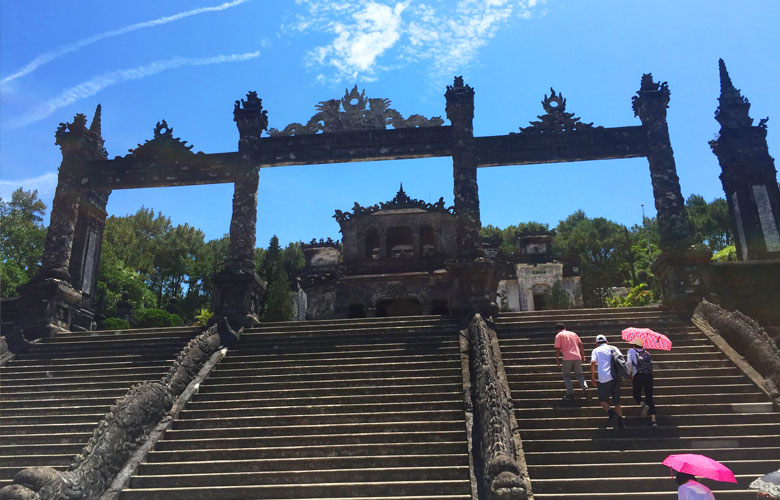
<point x="678" y="266"/>
<point x="471" y="273"/>
<point x="748" y="175"/>
<point x="238" y="288"/>
<point x="49" y="299"/>
<point x="460" y="111"/>
<point x="650" y="105"/>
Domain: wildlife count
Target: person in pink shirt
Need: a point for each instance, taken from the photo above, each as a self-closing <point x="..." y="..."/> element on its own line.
<point x="569" y="347"/>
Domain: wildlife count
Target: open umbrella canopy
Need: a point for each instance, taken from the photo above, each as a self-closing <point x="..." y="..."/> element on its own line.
<point x="699" y="465"/>
<point x="768" y="484"/>
<point x="650" y="338"/>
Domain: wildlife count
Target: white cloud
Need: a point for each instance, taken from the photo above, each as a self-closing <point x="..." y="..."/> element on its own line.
<point x="368" y="35"/>
<point x="44" y="184"/>
<point x="49" y="56"/>
<point x="98" y="83"/>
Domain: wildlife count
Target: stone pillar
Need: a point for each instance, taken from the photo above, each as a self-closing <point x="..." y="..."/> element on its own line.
<point x="460" y="111"/>
<point x="473" y="286"/>
<point x="650" y="105"/>
<point x="748" y="175"/>
<point x="237" y="288"/>
<point x="49" y="300"/>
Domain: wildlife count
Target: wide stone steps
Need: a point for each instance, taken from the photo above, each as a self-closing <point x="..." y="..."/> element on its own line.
<point x="53" y="396"/>
<point x="334" y="409"/>
<point x="705" y="405"/>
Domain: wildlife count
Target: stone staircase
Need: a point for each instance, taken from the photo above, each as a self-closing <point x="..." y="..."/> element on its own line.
<point x="704" y="402"/>
<point x="53" y="396"/>
<point x="363" y="408"/>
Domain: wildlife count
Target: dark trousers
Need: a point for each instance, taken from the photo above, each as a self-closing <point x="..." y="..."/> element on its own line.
<point x="644" y="381"/>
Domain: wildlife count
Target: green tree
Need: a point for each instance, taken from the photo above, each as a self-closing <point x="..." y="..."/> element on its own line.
<point x="709" y="222"/>
<point x="22" y="238"/>
<point x="599" y="246"/>
<point x="557" y="297"/>
<point x="278" y="304"/>
<point x="509" y="234"/>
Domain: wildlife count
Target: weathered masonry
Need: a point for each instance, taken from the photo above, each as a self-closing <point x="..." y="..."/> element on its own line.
<point x="355" y="128"/>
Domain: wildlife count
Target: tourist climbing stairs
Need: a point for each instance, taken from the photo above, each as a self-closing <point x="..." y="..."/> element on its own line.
<point x="53" y="396"/>
<point x="705" y="405"/>
<point x="360" y="408"/>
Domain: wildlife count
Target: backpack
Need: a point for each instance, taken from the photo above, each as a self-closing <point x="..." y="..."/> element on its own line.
<point x="619" y="368"/>
<point x="644" y="363"/>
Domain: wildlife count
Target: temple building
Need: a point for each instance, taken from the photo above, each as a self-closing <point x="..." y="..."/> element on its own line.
<point x="392" y="261"/>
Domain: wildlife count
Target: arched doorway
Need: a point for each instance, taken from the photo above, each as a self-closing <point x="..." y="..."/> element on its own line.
<point x="404" y="306"/>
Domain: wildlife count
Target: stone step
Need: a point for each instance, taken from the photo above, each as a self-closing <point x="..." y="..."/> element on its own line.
<point x="637" y="485"/>
<point x="633" y="420"/>
<point x="19" y="461"/>
<point x="644" y="432"/>
<point x="282" y="429"/>
<point x="135" y="334"/>
<point x="352" y="371"/>
<point x="311" y="439"/>
<point x="660" y="365"/>
<point x="337" y="352"/>
<point x="281" y="399"/>
<point x="259" y="384"/>
<point x="87" y="368"/>
<point x="300" y="464"/>
<point x="676" y="409"/>
<point x="16" y="439"/>
<point x="659" y="399"/>
<point x="624" y="441"/>
<point x="84" y="386"/>
<point x="33" y="418"/>
<point x="325" y="476"/>
<point x="664" y="359"/>
<point x="396" y="407"/>
<point x="330" y="450"/>
<point x="98" y="362"/>
<point x="189" y="422"/>
<point x="668" y="373"/>
<point x="335" y="332"/>
<point x="77" y="376"/>
<point x="255" y="393"/>
<point x="661" y="387"/>
<point x="401" y="489"/>
<point x="669" y="493"/>
<point x="342" y="366"/>
<point x="636" y="469"/>
<point x="656" y="455"/>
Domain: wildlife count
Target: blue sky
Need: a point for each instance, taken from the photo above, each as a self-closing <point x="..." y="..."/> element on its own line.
<point x="188" y="61"/>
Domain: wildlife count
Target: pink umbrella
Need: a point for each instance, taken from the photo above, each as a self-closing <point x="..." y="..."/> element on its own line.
<point x="652" y="340"/>
<point x="699" y="465"/>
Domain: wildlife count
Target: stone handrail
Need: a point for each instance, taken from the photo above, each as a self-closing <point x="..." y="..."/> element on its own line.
<point x="499" y="474"/>
<point x="748" y="338"/>
<point x="122" y="431"/>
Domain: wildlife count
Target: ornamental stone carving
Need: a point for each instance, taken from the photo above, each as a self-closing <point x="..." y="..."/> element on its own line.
<point x="355" y="112"/>
<point x="556" y="120"/>
<point x="401" y="200"/>
<point x="163" y="147"/>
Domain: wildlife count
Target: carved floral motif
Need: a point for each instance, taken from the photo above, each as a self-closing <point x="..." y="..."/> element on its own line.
<point x="329" y="242"/>
<point x="355" y="112"/>
<point x="556" y="120"/>
<point x="401" y="200"/>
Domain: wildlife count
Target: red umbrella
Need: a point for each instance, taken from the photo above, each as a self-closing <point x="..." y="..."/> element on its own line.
<point x="699" y="465"/>
<point x="652" y="340"/>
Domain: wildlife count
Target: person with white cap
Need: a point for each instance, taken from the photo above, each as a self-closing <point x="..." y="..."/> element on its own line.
<point x="641" y="363"/>
<point x="608" y="386"/>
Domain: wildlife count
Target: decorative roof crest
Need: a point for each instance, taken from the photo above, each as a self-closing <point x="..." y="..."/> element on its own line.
<point x="401" y="200"/>
<point x="556" y="120"/>
<point x="69" y="135"/>
<point x="733" y="109"/>
<point x="328" y="243"/>
<point x="163" y="146"/>
<point x="355" y="112"/>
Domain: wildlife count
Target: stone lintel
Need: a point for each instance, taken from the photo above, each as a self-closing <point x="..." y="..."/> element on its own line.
<point x="593" y="144"/>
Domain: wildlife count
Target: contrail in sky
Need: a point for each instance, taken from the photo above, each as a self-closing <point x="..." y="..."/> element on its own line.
<point x="98" y="83"/>
<point x="64" y="49"/>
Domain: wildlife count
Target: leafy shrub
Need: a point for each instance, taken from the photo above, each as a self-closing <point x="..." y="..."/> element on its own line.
<point x="176" y="320"/>
<point x="639" y="295"/>
<point x="154" y="318"/>
<point x="203" y="317"/>
<point x="116" y="324"/>
<point x="727" y="254"/>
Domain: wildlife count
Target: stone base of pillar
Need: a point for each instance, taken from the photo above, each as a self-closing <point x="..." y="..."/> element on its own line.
<point x="46" y="306"/>
<point x="473" y="287"/>
<point x="237" y="296"/>
<point x="679" y="272"/>
<point x="752" y="287"/>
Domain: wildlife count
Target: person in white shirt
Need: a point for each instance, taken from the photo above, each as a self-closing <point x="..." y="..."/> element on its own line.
<point x="690" y="489"/>
<point x="601" y="362"/>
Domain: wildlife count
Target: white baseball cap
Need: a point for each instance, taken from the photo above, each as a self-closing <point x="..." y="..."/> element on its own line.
<point x="600" y="339"/>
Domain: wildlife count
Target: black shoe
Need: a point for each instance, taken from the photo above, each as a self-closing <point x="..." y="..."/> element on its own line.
<point x="568" y="396"/>
<point x="620" y="423"/>
<point x="610" y="415"/>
